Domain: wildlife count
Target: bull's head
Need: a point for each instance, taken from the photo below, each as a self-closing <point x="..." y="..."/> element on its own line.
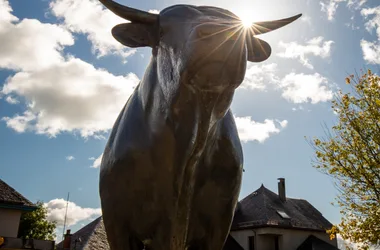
<point x="206" y="47"/>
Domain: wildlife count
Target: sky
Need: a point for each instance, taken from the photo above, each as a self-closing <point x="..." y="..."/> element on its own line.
<point x="64" y="80"/>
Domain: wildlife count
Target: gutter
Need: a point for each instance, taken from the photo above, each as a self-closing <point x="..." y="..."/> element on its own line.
<point x="18" y="207"/>
<point x="277" y="226"/>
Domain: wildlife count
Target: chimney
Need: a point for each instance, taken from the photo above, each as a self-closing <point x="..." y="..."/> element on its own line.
<point x="281" y="189"/>
<point x="67" y="239"/>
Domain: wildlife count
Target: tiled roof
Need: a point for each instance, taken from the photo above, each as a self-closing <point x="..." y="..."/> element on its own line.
<point x="9" y="196"/>
<point x="314" y="243"/>
<point x="93" y="236"/>
<point x="260" y="209"/>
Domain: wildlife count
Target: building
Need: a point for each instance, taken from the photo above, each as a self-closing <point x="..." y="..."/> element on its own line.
<point x="263" y="220"/>
<point x="12" y="205"/>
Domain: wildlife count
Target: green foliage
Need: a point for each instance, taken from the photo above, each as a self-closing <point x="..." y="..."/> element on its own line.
<point x="351" y="155"/>
<point x="34" y="225"/>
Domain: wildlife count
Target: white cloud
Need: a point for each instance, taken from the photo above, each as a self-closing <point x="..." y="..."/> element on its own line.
<point x="373" y="23"/>
<point x="259" y="76"/>
<point x="89" y="17"/>
<point x="330" y="6"/>
<point x="62" y="94"/>
<point x="11" y="100"/>
<point x="371" y="50"/>
<point x="356" y="4"/>
<point x="299" y="107"/>
<point x="5" y="13"/>
<point x="70" y="158"/>
<point x="92" y="158"/>
<point x="250" y="130"/>
<point x="315" y="46"/>
<point x="30" y="44"/>
<point x="19" y="123"/>
<point x="296" y="88"/>
<point x="97" y="161"/>
<point x="68" y="97"/>
<point x="301" y="88"/>
<point x="56" y="212"/>
<point x="154" y="11"/>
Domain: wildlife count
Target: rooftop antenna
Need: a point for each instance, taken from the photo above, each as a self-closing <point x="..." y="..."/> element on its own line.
<point x="64" y="224"/>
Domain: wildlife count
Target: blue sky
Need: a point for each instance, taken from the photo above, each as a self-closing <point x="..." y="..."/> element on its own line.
<point x="64" y="79"/>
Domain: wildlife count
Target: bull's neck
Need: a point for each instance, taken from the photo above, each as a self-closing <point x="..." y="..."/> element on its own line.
<point x="190" y="110"/>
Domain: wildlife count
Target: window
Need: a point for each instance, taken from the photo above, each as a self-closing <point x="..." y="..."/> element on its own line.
<point x="251" y="242"/>
<point x="283" y="214"/>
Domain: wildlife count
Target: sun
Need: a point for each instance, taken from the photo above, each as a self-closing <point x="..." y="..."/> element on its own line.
<point x="249" y="16"/>
<point x="246" y="20"/>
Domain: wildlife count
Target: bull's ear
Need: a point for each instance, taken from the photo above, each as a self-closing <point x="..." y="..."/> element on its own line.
<point x="135" y="34"/>
<point x="258" y="50"/>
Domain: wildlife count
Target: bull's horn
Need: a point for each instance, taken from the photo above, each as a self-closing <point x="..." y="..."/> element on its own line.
<point x="264" y="27"/>
<point x="130" y="14"/>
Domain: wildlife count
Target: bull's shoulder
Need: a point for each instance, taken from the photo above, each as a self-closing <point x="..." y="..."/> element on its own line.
<point x="129" y="130"/>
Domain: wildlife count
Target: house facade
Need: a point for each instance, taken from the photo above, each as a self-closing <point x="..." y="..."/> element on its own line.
<point x="12" y="205"/>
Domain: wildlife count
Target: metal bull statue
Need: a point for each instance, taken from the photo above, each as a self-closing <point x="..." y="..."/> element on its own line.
<point x="172" y="168"/>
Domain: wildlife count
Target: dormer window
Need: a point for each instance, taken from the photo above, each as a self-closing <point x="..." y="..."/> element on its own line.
<point x="283" y="214"/>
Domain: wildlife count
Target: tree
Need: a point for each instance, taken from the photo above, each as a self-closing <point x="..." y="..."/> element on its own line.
<point x="34" y="225"/>
<point x="351" y="155"/>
